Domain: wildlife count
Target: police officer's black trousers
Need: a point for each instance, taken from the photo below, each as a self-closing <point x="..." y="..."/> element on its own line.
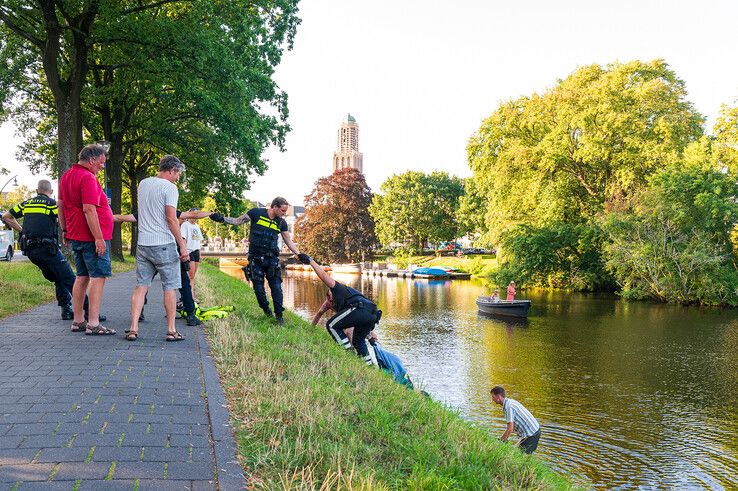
<point x="363" y="319"/>
<point x="268" y="268"/>
<point x="55" y="268"/>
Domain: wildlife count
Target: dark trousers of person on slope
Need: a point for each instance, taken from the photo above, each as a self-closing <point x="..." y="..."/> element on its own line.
<point x="362" y="317"/>
<point x="266" y="267"/>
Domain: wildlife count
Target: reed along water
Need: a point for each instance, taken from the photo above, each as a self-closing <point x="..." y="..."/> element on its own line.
<point x="630" y="395"/>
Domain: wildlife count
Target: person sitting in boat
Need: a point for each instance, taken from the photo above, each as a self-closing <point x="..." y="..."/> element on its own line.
<point x="511" y="291"/>
<point x="496" y="295"/>
<point x="355" y="316"/>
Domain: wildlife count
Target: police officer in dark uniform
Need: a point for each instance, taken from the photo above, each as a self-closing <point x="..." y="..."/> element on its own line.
<point x="38" y="241"/>
<point x="267" y="224"/>
<point x="355" y="314"/>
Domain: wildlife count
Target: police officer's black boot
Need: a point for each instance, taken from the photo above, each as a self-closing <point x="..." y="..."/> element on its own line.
<point x="192" y="320"/>
<point x="268" y="312"/>
<point x="67" y="313"/>
<point x="280" y="320"/>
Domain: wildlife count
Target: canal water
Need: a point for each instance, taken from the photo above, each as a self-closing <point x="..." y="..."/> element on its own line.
<point x="630" y="395"/>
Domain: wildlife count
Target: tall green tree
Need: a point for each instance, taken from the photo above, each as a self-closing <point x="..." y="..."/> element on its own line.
<point x="674" y="245"/>
<point x="336" y="226"/>
<point x="415" y="208"/>
<point x="193" y="78"/>
<point x="585" y="145"/>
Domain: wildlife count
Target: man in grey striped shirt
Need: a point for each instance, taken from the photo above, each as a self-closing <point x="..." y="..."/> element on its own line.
<point x="519" y="419"/>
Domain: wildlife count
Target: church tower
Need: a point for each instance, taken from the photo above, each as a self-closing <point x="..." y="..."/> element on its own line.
<point x="348" y="155"/>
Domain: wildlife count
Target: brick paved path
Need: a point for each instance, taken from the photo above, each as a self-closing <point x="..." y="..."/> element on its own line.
<point x="99" y="412"/>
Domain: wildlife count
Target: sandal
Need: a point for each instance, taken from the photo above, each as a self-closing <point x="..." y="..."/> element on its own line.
<point x="98" y="330"/>
<point x="131" y="335"/>
<point x="79" y="326"/>
<point x="175" y="336"/>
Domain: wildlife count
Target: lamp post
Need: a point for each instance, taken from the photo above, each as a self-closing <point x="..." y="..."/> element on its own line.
<point x="106" y="146"/>
<point x="15" y="183"/>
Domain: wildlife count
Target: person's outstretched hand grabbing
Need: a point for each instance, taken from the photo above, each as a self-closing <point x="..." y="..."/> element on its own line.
<point x="304" y="258"/>
<point x="217" y="217"/>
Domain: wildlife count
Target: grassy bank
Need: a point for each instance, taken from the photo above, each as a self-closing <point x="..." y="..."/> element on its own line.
<point x="24" y="286"/>
<point x="308" y="415"/>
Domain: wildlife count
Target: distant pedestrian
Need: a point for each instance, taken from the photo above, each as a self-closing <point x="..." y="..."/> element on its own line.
<point x="87" y="224"/>
<point x="511" y="291"/>
<point x="245" y="244"/>
<point x="518" y="419"/>
<point x="158" y="237"/>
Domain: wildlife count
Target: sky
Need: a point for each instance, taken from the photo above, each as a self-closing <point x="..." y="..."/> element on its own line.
<point x="420" y="76"/>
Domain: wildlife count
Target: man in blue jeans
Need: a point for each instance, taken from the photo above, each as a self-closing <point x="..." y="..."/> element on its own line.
<point x="87" y="225"/>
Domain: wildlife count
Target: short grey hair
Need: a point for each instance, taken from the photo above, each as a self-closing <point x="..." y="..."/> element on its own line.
<point x="170" y="162"/>
<point x="91" y="151"/>
<point x="44" y="186"/>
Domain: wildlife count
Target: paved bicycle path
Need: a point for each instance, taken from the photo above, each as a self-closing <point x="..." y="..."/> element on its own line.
<point x="99" y="412"/>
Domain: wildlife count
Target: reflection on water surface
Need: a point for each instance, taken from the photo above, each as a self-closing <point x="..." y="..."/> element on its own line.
<point x="630" y="395"/>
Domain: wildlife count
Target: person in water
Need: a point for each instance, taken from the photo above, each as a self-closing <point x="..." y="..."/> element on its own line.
<point x="511" y="291"/>
<point x="355" y="316"/>
<point x="519" y="419"/>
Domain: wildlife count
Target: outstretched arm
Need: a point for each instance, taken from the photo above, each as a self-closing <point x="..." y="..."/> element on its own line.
<point x="124" y="218"/>
<point x="324" y="277"/>
<point x="323" y="309"/>
<point x="237" y="221"/>
<point x="288" y="242"/>
<point x="196" y="215"/>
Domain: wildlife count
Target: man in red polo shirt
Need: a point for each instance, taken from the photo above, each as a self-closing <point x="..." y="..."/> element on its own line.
<point x="87" y="224"/>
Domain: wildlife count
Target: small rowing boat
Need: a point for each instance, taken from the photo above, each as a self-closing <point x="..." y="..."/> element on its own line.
<point x="513" y="308"/>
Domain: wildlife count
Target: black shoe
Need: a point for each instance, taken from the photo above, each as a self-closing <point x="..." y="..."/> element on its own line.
<point x="141" y="317"/>
<point x="280" y="320"/>
<point x="100" y="317"/>
<point x="268" y="313"/>
<point x="67" y="313"/>
<point x="192" y="320"/>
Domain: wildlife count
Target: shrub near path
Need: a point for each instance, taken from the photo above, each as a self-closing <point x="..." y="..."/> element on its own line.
<point x="309" y="416"/>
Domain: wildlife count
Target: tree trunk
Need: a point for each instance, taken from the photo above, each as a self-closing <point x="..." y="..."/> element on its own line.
<point x="69" y="132"/>
<point x="114" y="170"/>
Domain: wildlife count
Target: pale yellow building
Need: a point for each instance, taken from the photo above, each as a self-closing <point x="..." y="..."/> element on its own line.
<point x="348" y="156"/>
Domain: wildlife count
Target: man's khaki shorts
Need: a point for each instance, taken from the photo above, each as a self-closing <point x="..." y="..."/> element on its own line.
<point x="163" y="259"/>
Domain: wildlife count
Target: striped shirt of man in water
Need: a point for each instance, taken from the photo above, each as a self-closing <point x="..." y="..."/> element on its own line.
<point x="519" y="419"/>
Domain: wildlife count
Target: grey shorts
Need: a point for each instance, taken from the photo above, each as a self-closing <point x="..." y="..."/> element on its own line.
<point x="163" y="259"/>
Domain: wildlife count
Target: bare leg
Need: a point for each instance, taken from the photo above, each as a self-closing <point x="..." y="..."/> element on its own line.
<point x="78" y="297"/>
<point x="97" y="285"/>
<point x="137" y="302"/>
<point x="193" y="271"/>
<point x="170" y="306"/>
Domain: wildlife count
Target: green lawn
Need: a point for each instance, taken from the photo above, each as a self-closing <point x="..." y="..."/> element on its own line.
<point x="308" y="415"/>
<point x="24" y="287"/>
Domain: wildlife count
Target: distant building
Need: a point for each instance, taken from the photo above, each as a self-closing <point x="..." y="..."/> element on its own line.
<point x="347" y="156"/>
